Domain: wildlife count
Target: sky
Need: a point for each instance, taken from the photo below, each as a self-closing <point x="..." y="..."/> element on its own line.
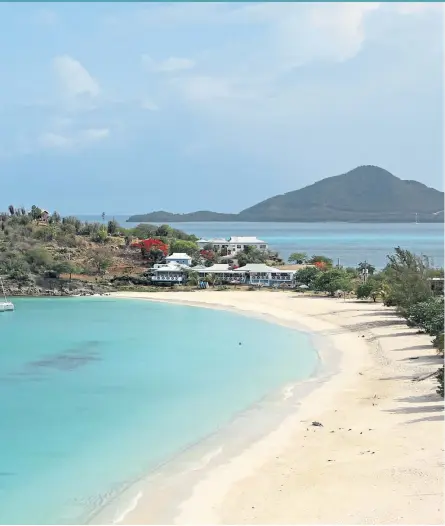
<point x="129" y="108"/>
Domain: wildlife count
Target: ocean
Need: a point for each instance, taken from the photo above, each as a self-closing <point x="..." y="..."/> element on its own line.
<point x="97" y="392"/>
<point x="346" y="243"/>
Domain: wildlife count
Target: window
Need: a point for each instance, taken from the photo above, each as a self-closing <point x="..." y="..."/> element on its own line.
<point x="238" y="246"/>
<point x="262" y="246"/>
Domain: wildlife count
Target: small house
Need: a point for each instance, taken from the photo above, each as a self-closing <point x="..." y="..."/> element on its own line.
<point x="180" y="258"/>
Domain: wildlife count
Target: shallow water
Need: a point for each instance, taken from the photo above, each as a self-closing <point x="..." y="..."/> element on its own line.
<point x="96" y="392"/>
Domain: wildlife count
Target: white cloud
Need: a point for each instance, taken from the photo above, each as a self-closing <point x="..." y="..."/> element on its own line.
<point x="94" y="134"/>
<point x="68" y="141"/>
<point x="201" y="88"/>
<point x="55" y="140"/>
<point x="148" y="104"/>
<point x="414" y="8"/>
<point x="296" y="33"/>
<point x="170" y="65"/>
<point x="74" y="79"/>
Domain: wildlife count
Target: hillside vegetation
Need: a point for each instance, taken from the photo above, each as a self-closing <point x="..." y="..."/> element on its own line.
<point x="365" y="194"/>
<point x="58" y="255"/>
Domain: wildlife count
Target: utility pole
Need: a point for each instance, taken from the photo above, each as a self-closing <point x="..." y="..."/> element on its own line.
<point x="365" y="272"/>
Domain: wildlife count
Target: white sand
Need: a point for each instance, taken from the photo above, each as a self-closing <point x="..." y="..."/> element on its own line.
<point x="378" y="459"/>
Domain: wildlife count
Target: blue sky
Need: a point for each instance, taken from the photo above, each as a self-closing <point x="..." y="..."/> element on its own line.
<point x="129" y="108"/>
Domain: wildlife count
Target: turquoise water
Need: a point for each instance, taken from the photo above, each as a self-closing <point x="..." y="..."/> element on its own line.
<point x="348" y="242"/>
<point x="96" y="392"/>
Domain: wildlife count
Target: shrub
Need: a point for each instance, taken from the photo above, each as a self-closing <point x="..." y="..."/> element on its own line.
<point x="427" y="315"/>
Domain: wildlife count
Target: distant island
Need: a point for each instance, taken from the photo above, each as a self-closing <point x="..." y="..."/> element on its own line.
<point x="367" y="194"/>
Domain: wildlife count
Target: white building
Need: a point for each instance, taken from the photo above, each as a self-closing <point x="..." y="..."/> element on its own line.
<point x="180" y="258"/>
<point x="251" y="274"/>
<point x="233" y="244"/>
<point x="169" y="273"/>
<point x="263" y="275"/>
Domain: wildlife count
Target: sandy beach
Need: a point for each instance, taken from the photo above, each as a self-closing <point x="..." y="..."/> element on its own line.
<point x="378" y="456"/>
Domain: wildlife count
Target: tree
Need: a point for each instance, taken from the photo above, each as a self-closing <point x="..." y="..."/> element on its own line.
<point x="112" y="227"/>
<point x="191" y="277"/>
<point x="306" y="276"/>
<point x="209" y="257"/>
<point x="407" y="280"/>
<point x="71" y="220"/>
<point x="163" y="231"/>
<point x="101" y="235"/>
<point x="352" y="271"/>
<point x="153" y="250"/>
<point x="327" y="262"/>
<point x="427" y="315"/>
<point x="332" y="280"/>
<point x="210" y="278"/>
<point x="55" y="218"/>
<point x="153" y="255"/>
<point x="39" y="258"/>
<point x="36" y="212"/>
<point x="188" y="247"/>
<point x="103" y="216"/>
<point x="371" y="288"/>
<point x="144" y="231"/>
<point x="364" y="265"/>
<point x="64" y="267"/>
<point x="11" y="209"/>
<point x="251" y="254"/>
<point x="298" y="258"/>
<point x="101" y="259"/>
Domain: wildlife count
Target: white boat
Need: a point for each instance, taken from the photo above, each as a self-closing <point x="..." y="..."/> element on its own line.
<point x="5" y="305"/>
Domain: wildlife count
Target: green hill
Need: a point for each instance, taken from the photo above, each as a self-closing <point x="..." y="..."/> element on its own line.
<point x="365" y="194"/>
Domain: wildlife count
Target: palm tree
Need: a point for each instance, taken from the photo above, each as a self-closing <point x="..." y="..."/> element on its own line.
<point x="191" y="277"/>
<point x="211" y="278"/>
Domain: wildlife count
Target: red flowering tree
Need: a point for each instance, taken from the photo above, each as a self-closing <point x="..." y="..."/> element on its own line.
<point x="208" y="255"/>
<point x="321" y="265"/>
<point x="327" y="262"/>
<point x="153" y="250"/>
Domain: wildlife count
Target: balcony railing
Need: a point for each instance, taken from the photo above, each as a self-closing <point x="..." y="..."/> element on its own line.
<point x="166" y="278"/>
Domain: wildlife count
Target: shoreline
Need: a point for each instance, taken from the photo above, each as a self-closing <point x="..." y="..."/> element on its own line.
<point x="206" y="453"/>
<point x="223" y="492"/>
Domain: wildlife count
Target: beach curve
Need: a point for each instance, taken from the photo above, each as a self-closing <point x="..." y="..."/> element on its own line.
<point x="382" y="434"/>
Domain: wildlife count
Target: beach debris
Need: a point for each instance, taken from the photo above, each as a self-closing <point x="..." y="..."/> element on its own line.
<point x="317" y="424"/>
<point x="349" y="429"/>
<point x="331" y="460"/>
<point x="414" y="357"/>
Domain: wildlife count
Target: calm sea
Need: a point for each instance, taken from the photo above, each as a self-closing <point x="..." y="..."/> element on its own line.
<point x="96" y="392"/>
<point x="348" y="243"/>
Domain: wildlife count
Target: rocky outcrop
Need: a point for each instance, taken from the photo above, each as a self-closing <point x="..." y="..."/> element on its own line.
<point x="53" y="287"/>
